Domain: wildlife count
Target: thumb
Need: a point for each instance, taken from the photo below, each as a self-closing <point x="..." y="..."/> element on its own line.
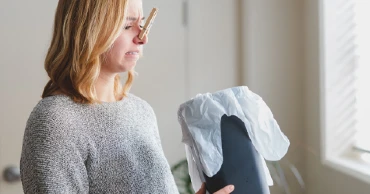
<point x="226" y="190"/>
<point x="202" y="190"/>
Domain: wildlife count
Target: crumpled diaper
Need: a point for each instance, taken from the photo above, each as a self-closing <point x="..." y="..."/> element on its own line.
<point x="200" y="120"/>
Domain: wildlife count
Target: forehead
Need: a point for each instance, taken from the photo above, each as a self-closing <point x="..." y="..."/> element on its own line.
<point x="135" y="8"/>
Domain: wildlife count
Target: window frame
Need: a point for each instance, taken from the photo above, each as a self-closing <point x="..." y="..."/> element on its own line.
<point x="351" y="162"/>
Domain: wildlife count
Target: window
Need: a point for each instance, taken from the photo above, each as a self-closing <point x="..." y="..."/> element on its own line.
<point x="362" y="32"/>
<point x="345" y="85"/>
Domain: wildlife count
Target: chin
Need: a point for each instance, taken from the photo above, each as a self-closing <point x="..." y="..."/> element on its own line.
<point x="127" y="67"/>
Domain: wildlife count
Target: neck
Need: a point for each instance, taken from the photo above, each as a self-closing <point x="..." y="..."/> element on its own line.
<point x="105" y="88"/>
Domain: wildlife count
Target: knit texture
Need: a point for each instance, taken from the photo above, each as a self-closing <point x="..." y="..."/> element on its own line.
<point x="113" y="147"/>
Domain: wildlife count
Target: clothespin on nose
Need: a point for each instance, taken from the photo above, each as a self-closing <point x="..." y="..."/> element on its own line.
<point x="148" y="23"/>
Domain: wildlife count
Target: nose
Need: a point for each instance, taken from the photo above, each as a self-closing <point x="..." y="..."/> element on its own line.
<point x="143" y="41"/>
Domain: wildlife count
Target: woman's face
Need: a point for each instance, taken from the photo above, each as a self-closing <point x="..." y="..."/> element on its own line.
<point x="127" y="48"/>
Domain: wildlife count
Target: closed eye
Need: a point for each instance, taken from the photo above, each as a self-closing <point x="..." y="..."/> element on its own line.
<point x="128" y="27"/>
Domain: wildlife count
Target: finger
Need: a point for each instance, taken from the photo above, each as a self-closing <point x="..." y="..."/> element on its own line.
<point x="226" y="190"/>
<point x="202" y="189"/>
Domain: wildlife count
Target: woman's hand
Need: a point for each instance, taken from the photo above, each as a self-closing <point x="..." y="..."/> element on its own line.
<point x="226" y="190"/>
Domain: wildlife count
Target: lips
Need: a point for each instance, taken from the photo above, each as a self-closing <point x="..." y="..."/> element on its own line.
<point x="132" y="53"/>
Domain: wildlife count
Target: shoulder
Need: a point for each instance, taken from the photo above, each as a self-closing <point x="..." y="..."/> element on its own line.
<point x="53" y="129"/>
<point x="52" y="106"/>
<point x="139" y="102"/>
<point x="52" y="114"/>
<point x="141" y="106"/>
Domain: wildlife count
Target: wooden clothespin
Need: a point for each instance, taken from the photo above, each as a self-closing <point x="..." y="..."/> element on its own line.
<point x="148" y="23"/>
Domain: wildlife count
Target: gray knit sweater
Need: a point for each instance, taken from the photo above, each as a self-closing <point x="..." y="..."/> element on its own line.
<point x="112" y="147"/>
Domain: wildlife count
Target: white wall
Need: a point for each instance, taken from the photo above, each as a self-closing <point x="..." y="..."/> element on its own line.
<point x="24" y="37"/>
<point x="320" y="179"/>
<point x="273" y="66"/>
<point x="213" y="45"/>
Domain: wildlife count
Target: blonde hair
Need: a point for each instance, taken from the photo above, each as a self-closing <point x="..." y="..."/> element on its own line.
<point x="83" y="32"/>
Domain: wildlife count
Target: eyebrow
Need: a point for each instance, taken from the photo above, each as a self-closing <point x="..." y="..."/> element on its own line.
<point x="134" y="18"/>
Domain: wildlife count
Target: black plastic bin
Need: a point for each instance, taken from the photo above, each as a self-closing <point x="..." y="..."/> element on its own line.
<point x="242" y="165"/>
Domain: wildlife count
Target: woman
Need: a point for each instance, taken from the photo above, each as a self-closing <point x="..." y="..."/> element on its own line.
<point x="89" y="134"/>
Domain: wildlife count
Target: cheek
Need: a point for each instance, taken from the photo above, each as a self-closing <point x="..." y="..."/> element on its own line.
<point x="116" y="58"/>
<point x="120" y="48"/>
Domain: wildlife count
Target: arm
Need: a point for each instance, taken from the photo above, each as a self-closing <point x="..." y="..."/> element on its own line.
<point x="51" y="160"/>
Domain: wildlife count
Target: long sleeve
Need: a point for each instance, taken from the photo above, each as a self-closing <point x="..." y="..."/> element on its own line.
<point x="113" y="148"/>
<point x="52" y="159"/>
